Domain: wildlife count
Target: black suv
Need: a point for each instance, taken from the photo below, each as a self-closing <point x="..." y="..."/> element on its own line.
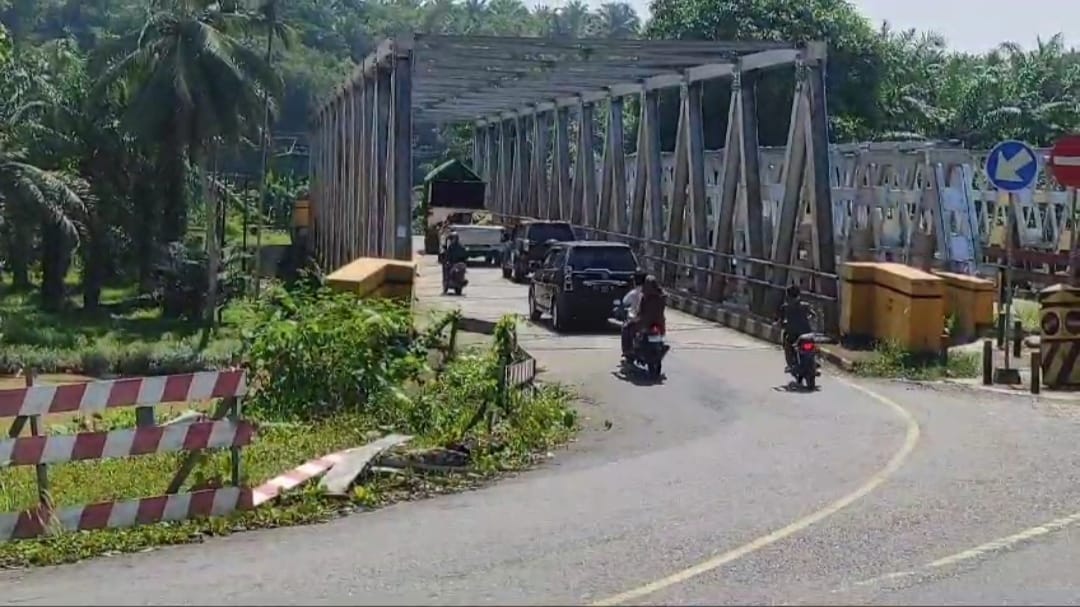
<point x="581" y="281"/>
<point x="528" y="244"/>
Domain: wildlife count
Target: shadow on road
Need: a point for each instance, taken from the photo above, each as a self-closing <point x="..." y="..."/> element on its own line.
<point x="637" y="377"/>
<point x="609" y="328"/>
<point x="791" y="386"/>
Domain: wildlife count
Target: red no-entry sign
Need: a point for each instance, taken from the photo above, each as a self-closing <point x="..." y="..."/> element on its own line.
<point x="1065" y="161"/>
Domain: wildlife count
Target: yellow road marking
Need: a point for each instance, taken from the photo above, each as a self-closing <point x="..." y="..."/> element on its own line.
<point x="911" y="438"/>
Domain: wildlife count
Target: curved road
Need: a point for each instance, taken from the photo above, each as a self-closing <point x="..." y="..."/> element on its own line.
<point x="716" y="486"/>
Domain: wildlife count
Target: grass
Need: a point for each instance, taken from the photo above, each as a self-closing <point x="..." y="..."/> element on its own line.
<point x="122" y="339"/>
<point x="1027" y="312"/>
<point x="889" y="360"/>
<point x="534" y="424"/>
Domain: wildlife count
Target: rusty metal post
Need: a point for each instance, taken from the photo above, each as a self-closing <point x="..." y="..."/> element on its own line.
<point x="1036" y="372"/>
<point x="988" y="362"/>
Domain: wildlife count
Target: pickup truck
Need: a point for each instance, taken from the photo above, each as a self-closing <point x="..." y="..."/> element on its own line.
<point x="480" y="240"/>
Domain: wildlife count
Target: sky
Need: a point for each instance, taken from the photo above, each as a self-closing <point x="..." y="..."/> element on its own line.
<point x="968" y="25"/>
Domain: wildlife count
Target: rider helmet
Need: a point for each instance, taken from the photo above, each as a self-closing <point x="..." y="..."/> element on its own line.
<point x="793" y="292"/>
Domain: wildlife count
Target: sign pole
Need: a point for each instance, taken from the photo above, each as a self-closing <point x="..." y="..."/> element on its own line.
<point x="1006" y="305"/>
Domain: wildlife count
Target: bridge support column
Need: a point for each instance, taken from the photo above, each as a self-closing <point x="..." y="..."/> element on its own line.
<point x="539" y="180"/>
<point x="401" y="167"/>
<point x="505" y="169"/>
<point x="585" y="199"/>
<point x="751" y="181"/>
<point x="612" y="214"/>
<point x="564" y="204"/>
<point x="677" y="202"/>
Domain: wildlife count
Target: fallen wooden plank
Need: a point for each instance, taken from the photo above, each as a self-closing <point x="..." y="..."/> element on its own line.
<point x="353" y="462"/>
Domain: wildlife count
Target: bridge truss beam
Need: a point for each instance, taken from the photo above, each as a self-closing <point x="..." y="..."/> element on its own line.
<point x="535" y="104"/>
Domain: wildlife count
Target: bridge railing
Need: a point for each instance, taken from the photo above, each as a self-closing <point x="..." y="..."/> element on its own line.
<point x="736" y="282"/>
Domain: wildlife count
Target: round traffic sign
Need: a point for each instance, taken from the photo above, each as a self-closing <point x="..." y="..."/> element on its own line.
<point x="1065" y="161"/>
<point x="1012" y="166"/>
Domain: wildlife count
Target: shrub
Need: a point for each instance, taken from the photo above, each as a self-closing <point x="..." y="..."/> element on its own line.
<point x="314" y="353"/>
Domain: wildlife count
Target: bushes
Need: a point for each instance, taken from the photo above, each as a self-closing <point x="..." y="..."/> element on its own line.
<point x="315" y="353"/>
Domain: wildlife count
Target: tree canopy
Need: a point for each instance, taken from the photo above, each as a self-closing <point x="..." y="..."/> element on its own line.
<point x="118" y="118"/>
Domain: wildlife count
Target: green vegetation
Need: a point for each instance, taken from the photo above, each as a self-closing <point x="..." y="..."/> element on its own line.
<point x="328" y="372"/>
<point x="890" y="360"/>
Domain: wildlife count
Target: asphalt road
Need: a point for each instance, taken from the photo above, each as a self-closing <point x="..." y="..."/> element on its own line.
<point x="774" y="496"/>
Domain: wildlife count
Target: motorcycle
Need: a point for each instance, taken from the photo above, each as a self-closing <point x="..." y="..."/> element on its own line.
<point x="649" y="347"/>
<point x="806" y="369"/>
<point x="455" y="278"/>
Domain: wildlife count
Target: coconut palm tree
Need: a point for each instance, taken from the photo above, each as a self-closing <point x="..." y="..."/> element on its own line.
<point x="192" y="82"/>
<point x="618" y="20"/>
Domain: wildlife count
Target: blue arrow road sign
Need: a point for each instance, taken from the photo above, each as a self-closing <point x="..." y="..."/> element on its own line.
<point x="1012" y="166"/>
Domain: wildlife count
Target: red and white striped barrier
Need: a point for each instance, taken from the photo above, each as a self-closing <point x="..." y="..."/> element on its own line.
<point x="295" y="477"/>
<point x="182" y="506"/>
<point x="192" y="437"/>
<point x="137" y="391"/>
<point x="30" y="450"/>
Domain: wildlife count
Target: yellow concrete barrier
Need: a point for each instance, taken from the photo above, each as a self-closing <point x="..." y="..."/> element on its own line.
<point x="857" y="297"/>
<point x="375" y="277"/>
<point x="893" y="302"/>
<point x="971" y="300"/>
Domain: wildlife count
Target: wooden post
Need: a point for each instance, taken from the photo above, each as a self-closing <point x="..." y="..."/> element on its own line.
<point x="1018" y="338"/>
<point x="988" y="362"/>
<point x="41" y="471"/>
<point x="1036" y="372"/>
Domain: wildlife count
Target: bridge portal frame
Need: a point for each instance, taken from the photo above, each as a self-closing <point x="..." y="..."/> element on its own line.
<point x="518" y="95"/>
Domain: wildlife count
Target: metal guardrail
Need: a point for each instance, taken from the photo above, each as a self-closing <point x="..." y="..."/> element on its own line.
<point x="740" y="282"/>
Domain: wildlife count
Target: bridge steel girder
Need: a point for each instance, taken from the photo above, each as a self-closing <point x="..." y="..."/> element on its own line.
<point x="534" y="106"/>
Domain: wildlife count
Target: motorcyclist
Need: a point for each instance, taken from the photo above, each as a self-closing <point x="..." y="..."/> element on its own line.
<point x="453" y="252"/>
<point x="652" y="306"/>
<point x="794" y="315"/>
<point x="632" y="302"/>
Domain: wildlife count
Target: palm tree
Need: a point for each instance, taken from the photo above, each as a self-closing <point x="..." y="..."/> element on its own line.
<point x="193" y="82"/>
<point x="618" y="20"/>
<point x="32" y="196"/>
<point x="475" y="12"/>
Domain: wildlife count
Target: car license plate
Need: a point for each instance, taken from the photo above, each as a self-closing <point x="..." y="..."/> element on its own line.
<point x="655" y="339"/>
<point x="605" y="288"/>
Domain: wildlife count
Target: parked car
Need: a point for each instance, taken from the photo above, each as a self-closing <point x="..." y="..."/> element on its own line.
<point x="528" y="243"/>
<point x="578" y="281"/>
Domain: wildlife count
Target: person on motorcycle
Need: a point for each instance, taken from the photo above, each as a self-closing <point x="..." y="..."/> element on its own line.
<point x="652" y="306"/>
<point x="794" y="315"/>
<point x="453" y="252"/>
<point x="632" y="302"/>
